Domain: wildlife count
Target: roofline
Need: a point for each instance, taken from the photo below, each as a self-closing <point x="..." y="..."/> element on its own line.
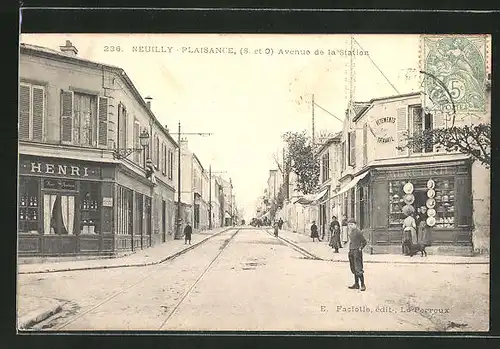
<point x="199" y="162"/>
<point x="330" y="141"/>
<point x="378" y="99"/>
<point x="38" y="50"/>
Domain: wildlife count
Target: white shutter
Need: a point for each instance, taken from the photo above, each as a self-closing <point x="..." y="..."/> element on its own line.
<point x="402" y="130"/>
<point x="37" y="112"/>
<point x="438" y="121"/>
<point x="24" y="111"/>
<point x="67" y="98"/>
<point x="137" y="145"/>
<point x="102" y="108"/>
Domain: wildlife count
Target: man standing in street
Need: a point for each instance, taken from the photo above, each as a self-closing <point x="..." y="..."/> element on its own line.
<point x="356" y="244"/>
<point x="335" y="234"/>
<point x="187" y="233"/>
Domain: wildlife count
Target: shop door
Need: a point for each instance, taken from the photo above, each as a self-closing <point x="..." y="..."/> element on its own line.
<point x="59" y="220"/>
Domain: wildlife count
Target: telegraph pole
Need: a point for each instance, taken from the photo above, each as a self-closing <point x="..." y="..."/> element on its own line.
<point x="312" y="119"/>
<point x="178" y="213"/>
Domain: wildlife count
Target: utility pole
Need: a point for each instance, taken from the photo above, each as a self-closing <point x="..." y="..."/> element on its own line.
<point x="178" y="213"/>
<point x="312" y="119"/>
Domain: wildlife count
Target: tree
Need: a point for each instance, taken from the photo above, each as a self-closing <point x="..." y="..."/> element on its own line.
<point x="474" y="140"/>
<point x="301" y="159"/>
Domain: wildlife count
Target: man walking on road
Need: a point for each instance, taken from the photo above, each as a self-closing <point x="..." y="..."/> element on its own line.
<point x="187" y="233"/>
<point x="356" y="244"/>
<point x="335" y="234"/>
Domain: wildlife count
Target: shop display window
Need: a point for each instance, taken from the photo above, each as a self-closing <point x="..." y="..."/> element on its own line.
<point x="440" y="198"/>
<point x="90" y="208"/>
<point x="29" y="205"/>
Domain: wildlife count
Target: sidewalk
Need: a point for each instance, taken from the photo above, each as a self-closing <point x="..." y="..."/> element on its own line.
<point x="149" y="256"/>
<point x="32" y="310"/>
<point x="325" y="252"/>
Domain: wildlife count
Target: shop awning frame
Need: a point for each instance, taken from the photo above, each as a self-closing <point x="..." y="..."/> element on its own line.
<point x="312" y="199"/>
<point x="351" y="184"/>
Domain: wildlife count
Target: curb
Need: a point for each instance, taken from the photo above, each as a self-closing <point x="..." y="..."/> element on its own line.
<point x="410" y="262"/>
<point x="37" y="316"/>
<point x="172" y="256"/>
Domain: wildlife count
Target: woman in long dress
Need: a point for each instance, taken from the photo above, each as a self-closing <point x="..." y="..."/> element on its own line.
<point x="423" y="232"/>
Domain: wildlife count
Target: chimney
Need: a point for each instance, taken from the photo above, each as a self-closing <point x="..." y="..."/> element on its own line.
<point x="148" y="101"/>
<point x="69" y="48"/>
<point x="166" y="129"/>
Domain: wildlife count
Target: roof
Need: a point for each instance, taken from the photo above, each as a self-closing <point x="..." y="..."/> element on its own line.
<point x="198" y="161"/>
<point x="366" y="105"/>
<point x="51" y="53"/>
<point x="330" y="140"/>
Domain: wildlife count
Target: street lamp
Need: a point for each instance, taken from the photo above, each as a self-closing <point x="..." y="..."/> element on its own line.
<point x="120" y="153"/>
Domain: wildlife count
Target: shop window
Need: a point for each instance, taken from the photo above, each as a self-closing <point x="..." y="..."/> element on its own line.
<point x="147" y="214"/>
<point x="443" y="205"/>
<point x="139" y="210"/>
<point x="124" y="208"/>
<point x="352" y="197"/>
<point x="90" y="208"/>
<point x="29" y="205"/>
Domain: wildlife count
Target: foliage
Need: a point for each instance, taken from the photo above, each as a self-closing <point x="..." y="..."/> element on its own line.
<point x="474" y="140"/>
<point x="300" y="158"/>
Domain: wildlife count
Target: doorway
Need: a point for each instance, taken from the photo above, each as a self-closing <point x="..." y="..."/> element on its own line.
<point x="59" y="213"/>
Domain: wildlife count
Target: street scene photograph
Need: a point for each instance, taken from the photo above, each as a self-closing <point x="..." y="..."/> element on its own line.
<point x="253" y="182"/>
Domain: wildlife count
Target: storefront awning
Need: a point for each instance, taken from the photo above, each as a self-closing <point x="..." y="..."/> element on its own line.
<point x="267" y="214"/>
<point x="227" y="215"/>
<point x="351" y="184"/>
<point x="311" y="199"/>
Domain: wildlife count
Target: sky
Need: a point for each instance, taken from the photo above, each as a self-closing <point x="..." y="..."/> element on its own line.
<point x="248" y="98"/>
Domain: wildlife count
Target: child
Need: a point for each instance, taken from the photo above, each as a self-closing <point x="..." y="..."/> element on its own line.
<point x="356" y="244"/>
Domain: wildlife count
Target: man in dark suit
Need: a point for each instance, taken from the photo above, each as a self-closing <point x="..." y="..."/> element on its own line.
<point x="187" y="233"/>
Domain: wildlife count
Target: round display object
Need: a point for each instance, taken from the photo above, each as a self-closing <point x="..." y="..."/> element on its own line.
<point x="409" y="199"/>
<point x="431" y="193"/>
<point x="408" y="188"/>
<point x="408" y="210"/>
<point x="431" y="212"/>
<point x="430" y="203"/>
<point x="431" y="221"/>
<point x="430" y="184"/>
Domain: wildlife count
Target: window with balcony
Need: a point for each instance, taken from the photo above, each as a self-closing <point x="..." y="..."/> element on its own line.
<point x="420" y="122"/>
<point x="31" y="112"/>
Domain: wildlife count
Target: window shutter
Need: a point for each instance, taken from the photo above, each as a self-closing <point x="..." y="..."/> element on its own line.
<point x="463" y="200"/>
<point x="352" y="148"/>
<point x="67" y="116"/>
<point x="365" y="145"/>
<point x="24" y="111"/>
<point x="103" y="121"/>
<point x="38" y="106"/>
<point x="137" y="144"/>
<point x="157" y="152"/>
<point x="402" y="130"/>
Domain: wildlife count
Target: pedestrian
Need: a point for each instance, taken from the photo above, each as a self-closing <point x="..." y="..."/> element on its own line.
<point x="356" y="244"/>
<point x="423" y="231"/>
<point x="344" y="229"/>
<point x="409" y="233"/>
<point x="335" y="234"/>
<point x="276" y="224"/>
<point x="280" y="223"/>
<point x="314" y="231"/>
<point x="187" y="233"/>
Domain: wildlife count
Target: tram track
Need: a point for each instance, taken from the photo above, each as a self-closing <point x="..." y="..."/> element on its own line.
<point x="157" y="269"/>
<point x="295" y="247"/>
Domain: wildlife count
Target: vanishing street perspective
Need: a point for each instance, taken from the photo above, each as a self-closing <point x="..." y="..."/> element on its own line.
<point x="189" y="182"/>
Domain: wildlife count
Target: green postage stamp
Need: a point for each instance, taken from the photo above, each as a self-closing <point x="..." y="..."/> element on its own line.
<point x="455" y="70"/>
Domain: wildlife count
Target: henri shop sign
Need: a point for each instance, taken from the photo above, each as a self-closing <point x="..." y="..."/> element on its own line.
<point x="58" y="168"/>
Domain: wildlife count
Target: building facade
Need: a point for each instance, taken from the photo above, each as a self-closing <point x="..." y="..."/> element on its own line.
<point x="377" y="179"/>
<point x="79" y="192"/>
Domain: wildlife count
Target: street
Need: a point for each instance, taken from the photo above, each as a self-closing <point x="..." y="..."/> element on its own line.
<point x="246" y="279"/>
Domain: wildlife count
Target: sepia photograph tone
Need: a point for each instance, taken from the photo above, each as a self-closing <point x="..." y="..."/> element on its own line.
<point x="254" y="182"/>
